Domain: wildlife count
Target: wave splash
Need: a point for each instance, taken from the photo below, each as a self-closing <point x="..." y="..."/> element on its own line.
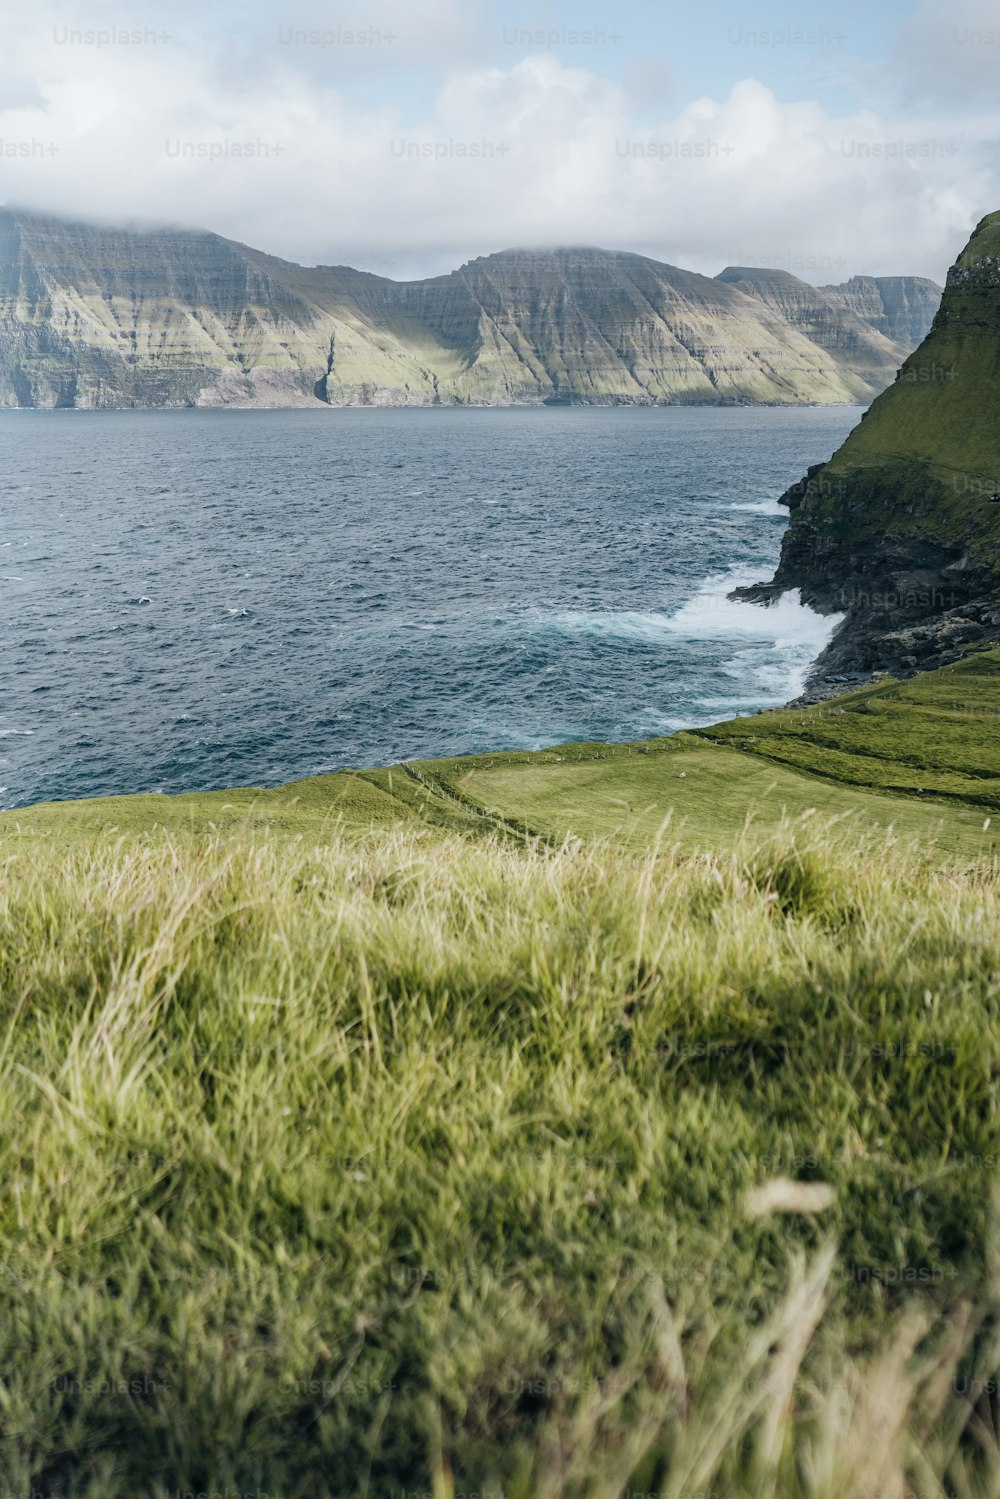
<point x="761" y="507"/>
<point x="779" y="642"/>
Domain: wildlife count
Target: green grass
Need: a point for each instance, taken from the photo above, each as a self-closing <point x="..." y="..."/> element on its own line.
<point x="939" y="411"/>
<point x="923" y="464"/>
<point x="936" y="735"/>
<point x="420" y="1160"/>
<point x="397" y="1132"/>
<point x="703" y="795"/>
<point x="702" y="791"/>
<point x="318" y="805"/>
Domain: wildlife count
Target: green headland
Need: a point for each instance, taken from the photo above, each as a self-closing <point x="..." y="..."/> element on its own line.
<point x="900" y="530"/>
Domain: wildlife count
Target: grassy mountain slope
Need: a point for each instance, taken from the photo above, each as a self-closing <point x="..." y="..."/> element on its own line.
<point x="97" y="316"/>
<point x="843" y="333"/>
<point x="942" y="409"/>
<point x="591" y="325"/>
<point x="901" y="529"/>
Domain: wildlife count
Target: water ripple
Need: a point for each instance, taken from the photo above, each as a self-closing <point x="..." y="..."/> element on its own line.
<point x="216" y="598"/>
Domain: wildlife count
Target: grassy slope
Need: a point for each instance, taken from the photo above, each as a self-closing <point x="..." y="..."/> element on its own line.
<point x="354" y="1142"/>
<point x="925" y="458"/>
<point x="939" y="408"/>
<point x="694" y="795"/>
<point x="694" y="792"/>
<point x="936" y="735"/>
<point x="415" y="1161"/>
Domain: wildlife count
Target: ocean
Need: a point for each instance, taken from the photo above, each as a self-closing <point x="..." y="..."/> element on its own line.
<point x="196" y="599"/>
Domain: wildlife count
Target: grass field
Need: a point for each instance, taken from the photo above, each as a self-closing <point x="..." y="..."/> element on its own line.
<point x="607" y="1122"/>
<point x="918" y="762"/>
<point x="419" y="1163"/>
<point x="934" y="736"/>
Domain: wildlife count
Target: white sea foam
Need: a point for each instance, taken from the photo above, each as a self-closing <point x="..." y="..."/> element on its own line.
<point x="709" y="615"/>
<point x="760" y="507"/>
<point x="626" y="624"/>
<point x="712" y="615"/>
<point x="16" y="733"/>
<point x="783" y="638"/>
<point x="781" y="641"/>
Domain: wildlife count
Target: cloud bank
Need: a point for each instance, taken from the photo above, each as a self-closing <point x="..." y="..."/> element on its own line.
<point x="391" y="145"/>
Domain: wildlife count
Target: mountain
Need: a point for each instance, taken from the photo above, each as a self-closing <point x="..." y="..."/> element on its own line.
<point x="93" y="316"/>
<point x="900" y="530"/>
<point x="900" y="307"/>
<point x="848" y="336"/>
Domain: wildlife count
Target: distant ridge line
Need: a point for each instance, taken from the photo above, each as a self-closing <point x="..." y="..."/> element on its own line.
<point x="95" y="316"/>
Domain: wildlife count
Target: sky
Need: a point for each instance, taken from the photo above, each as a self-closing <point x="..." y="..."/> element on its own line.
<point x="408" y="136"/>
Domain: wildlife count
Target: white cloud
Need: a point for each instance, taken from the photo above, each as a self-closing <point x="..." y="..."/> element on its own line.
<point x="950" y="52"/>
<point x="534" y="153"/>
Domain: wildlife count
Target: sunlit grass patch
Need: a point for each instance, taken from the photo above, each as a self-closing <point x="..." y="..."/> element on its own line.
<point x="413" y="1159"/>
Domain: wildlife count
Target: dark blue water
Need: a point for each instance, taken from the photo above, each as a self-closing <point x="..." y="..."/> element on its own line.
<point x="199" y="598"/>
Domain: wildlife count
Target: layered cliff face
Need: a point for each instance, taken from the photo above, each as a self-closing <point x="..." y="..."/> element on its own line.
<point x="900" y="531"/>
<point x="849" y="337"/>
<point x="92" y="316"/>
<point x="901" y="308"/>
<point x="592" y="325"/>
<point x="95" y="317"/>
